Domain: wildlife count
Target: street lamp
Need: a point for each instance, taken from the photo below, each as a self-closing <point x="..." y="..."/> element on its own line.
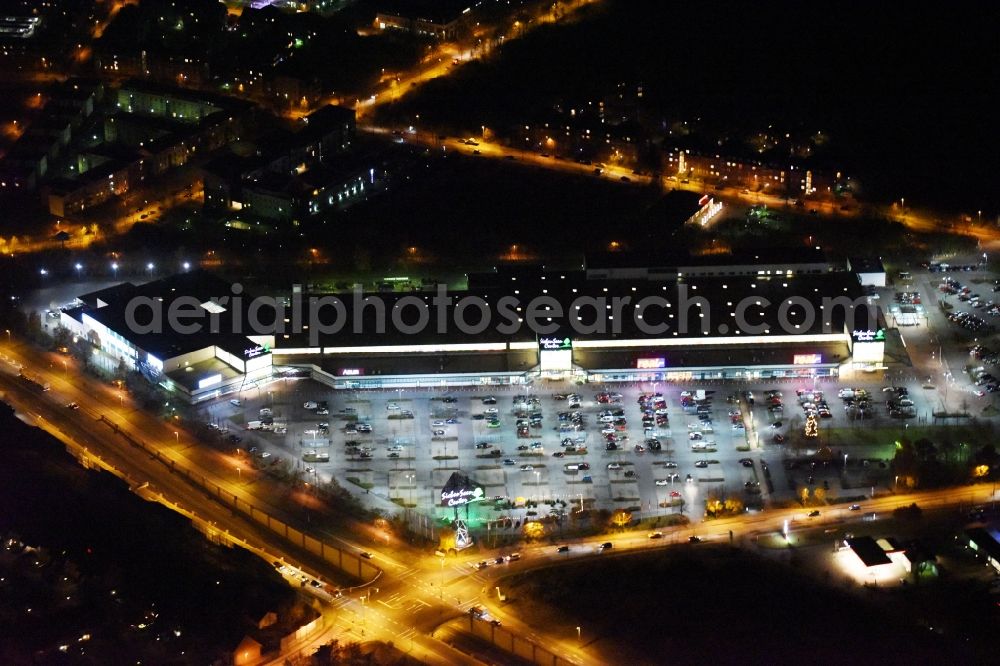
<point x="114" y="268"/>
<point x="186" y="265"/>
<point x="79" y="267"/>
<point x="177" y="437"/>
<point x="441" y="586"/>
<point x="579" y="635"/>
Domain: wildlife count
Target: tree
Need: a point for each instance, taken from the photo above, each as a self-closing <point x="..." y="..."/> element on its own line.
<point x="905" y="460"/>
<point x="820" y="494"/>
<point x="533" y="529"/>
<point x="987" y="456"/>
<point x="82" y="351"/>
<point x="34" y="327"/>
<point x="804" y="494"/>
<point x="912" y="512"/>
<point x="621" y="518"/>
<point x="61" y="337"/>
<point x="336" y="653"/>
<point x="925" y="449"/>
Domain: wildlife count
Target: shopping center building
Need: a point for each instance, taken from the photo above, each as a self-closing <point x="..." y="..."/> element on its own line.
<point x="741" y="318"/>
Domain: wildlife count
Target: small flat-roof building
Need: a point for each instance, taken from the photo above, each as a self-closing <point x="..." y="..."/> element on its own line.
<point x="986" y="542"/>
<point x="869" y="270"/>
<point x="868" y="551"/>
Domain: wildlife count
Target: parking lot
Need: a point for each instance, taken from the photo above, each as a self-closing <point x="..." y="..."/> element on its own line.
<point x="541" y="443"/>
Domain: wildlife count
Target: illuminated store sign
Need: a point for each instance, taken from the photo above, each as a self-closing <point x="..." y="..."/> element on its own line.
<point x="807" y="359"/>
<point x="553" y="344"/>
<point x="868" y="335"/>
<point x="461" y="496"/>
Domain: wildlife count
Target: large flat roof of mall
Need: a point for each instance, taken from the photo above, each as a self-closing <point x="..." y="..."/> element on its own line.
<point x="717" y="298"/>
<point x="518" y="361"/>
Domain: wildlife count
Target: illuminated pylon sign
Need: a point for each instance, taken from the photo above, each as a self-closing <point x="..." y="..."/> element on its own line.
<point x="812" y="426"/>
<point x="462" y="538"/>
